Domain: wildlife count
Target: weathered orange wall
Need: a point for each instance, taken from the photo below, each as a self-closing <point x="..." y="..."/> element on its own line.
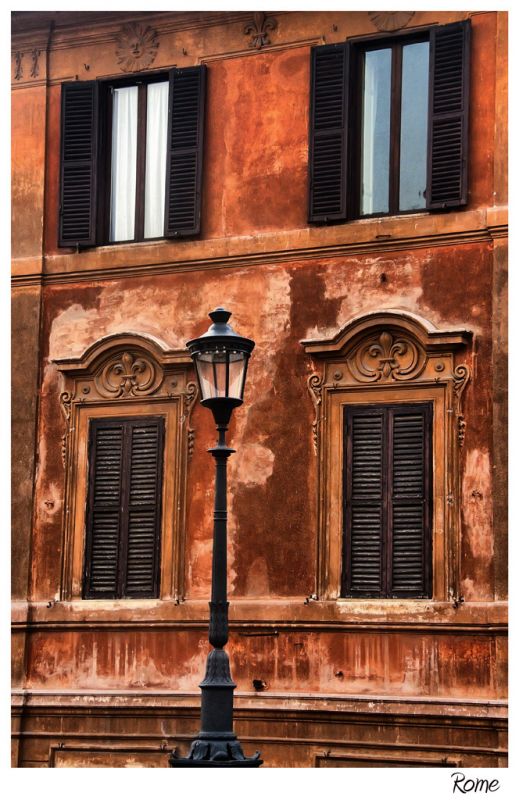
<point x="254" y="209"/>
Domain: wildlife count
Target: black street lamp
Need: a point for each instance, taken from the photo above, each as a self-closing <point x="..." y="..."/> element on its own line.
<point x="220" y="356"/>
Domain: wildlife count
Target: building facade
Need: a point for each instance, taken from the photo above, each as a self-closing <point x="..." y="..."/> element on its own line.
<point x="337" y="180"/>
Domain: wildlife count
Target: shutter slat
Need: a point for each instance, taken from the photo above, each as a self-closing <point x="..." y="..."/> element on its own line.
<point x="185" y="151"/>
<point x="78" y="173"/>
<point x="328" y="132"/>
<point x="447" y="183"/>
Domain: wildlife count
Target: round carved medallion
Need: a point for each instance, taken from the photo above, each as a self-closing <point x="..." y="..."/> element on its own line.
<point x="390" y="20"/>
<point x="137" y="47"/>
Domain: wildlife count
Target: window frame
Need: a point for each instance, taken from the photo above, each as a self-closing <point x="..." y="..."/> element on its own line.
<point x="360" y="46"/>
<point x="104" y="199"/>
<point x="389" y="357"/>
<point x="160" y="384"/>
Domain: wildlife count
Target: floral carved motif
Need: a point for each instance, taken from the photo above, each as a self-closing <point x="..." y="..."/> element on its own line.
<point x="18" y="67"/>
<point x="259" y="28"/>
<point x="137" y="47"/>
<point x="65" y="400"/>
<point x="386" y="357"/>
<point x="35" y="69"/>
<point x="390" y="20"/>
<point x="128" y="375"/>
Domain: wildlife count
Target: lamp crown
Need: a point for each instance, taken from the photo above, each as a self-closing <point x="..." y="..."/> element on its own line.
<point x="220" y="316"/>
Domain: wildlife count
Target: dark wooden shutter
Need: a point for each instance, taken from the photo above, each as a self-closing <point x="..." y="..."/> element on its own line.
<point x="144" y="507"/>
<point x="122" y="555"/>
<point x="409" y="506"/>
<point x="364" y="502"/>
<point x="448" y="115"/>
<point x="387" y="501"/>
<point x="79" y="144"/>
<point x="185" y="151"/>
<point x="328" y="132"/>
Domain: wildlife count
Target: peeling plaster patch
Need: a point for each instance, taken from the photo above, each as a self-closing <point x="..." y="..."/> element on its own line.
<point x="252" y="465"/>
<point x="477" y="513"/>
<point x="257" y="583"/>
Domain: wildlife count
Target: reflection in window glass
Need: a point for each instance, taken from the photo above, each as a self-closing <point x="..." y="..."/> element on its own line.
<point x="376" y="103"/>
<point x="156" y="135"/>
<point x="124" y="164"/>
<point x="413" y="136"/>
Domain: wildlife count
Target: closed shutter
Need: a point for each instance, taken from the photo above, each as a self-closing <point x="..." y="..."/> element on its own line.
<point x="387" y="501"/>
<point x="364" y="506"/>
<point x="328" y="132"/>
<point x="448" y="115"/>
<point x="122" y="554"/>
<point x="185" y="151"/>
<point x="409" y="501"/>
<point x="78" y="179"/>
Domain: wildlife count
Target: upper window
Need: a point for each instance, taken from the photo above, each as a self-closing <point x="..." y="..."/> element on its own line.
<point x="389" y="124"/>
<point x="131" y="158"/>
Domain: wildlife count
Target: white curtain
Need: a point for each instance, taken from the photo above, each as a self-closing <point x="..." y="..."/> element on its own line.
<point x="124" y="164"/>
<point x="156" y="135"/>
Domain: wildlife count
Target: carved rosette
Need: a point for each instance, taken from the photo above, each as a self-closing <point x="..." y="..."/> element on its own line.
<point x="128" y="375"/>
<point x="387" y="357"/>
<point x="137" y="46"/>
<point x="388" y="21"/>
<point x="315" y="383"/>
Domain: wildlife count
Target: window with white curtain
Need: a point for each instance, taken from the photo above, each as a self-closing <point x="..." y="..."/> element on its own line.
<point x="137" y="180"/>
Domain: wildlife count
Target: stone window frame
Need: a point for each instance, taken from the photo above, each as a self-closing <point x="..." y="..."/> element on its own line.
<point x="389" y="356"/>
<point x="127" y="374"/>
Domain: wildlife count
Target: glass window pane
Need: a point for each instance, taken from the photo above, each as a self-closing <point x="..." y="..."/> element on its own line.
<point x="376" y="108"/>
<point x="124" y="164"/>
<point x="413" y="136"/>
<point x="156" y="135"/>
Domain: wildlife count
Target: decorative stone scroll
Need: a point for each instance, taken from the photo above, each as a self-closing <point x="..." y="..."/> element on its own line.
<point x="126" y="374"/>
<point x="386" y="357"/>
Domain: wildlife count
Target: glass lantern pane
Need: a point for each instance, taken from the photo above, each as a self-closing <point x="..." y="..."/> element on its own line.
<point x="205" y="377"/>
<point x="237" y="364"/>
<point x="220" y="374"/>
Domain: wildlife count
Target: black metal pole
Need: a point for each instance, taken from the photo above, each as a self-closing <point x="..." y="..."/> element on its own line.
<point x="217" y="744"/>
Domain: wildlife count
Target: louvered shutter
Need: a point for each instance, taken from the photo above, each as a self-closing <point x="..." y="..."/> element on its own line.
<point x="364" y="503"/>
<point x="448" y="115"/>
<point x="144" y="507"/>
<point x="122" y="555"/>
<point x="409" y="502"/>
<point x="328" y="132"/>
<point x="78" y="179"/>
<point x="185" y="151"/>
<point x="102" y="556"/>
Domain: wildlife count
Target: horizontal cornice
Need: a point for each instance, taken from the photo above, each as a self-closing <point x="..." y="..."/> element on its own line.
<point x="58" y="269"/>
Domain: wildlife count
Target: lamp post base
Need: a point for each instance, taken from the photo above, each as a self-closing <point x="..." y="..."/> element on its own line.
<point x="212" y="751"/>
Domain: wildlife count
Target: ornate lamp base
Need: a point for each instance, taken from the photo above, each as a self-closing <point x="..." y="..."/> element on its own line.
<point x="209" y="751"/>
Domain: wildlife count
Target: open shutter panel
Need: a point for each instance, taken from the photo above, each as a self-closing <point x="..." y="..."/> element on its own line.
<point x="328" y="132"/>
<point x="185" y="151"/>
<point x="364" y="503"/>
<point x="144" y="508"/>
<point x="104" y="510"/>
<point x="79" y="142"/>
<point x="408" y="502"/>
<point x="448" y="115"/>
